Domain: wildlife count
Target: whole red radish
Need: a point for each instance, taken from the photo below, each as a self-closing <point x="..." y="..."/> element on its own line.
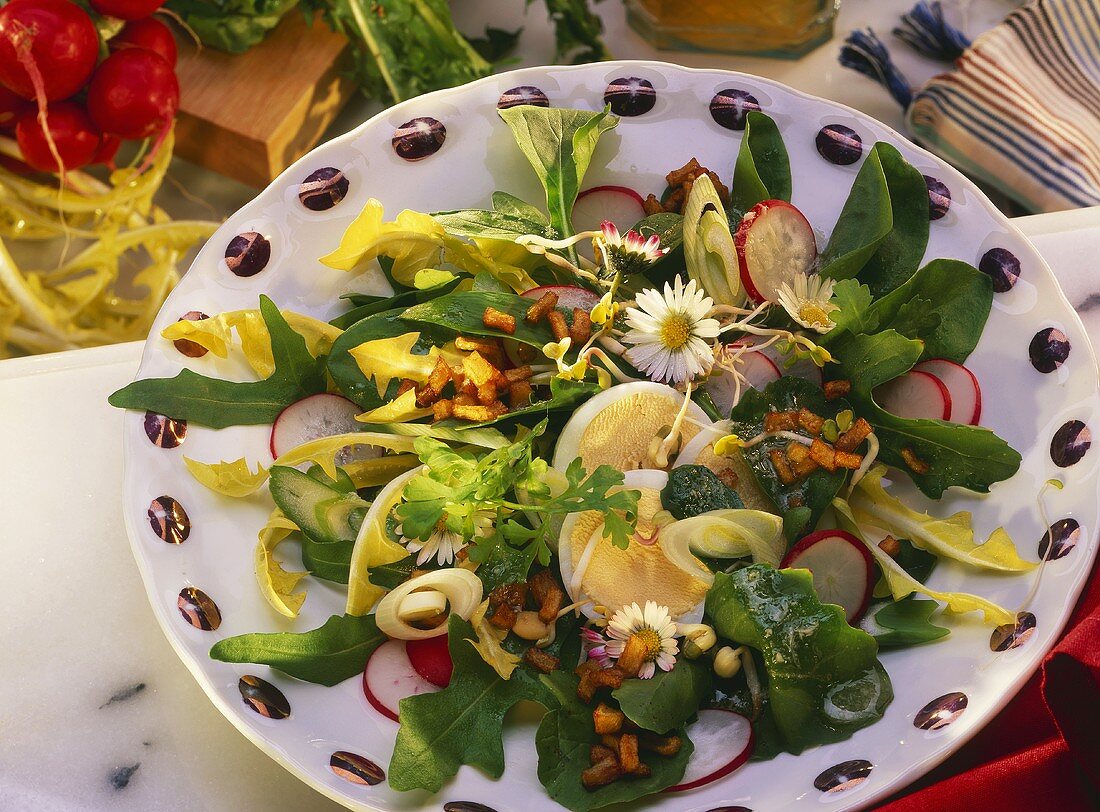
<point x="126" y="9"/>
<point x="148" y="33"/>
<point x="74" y="135"/>
<point x="12" y="108"/>
<point x="133" y="93"/>
<point x="108" y="148"/>
<point x="55" y="38"/>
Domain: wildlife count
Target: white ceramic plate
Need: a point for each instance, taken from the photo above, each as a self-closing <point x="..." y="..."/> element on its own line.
<point x="969" y="681"/>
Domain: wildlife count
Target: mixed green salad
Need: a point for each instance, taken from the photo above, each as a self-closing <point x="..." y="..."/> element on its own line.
<point x="636" y="473"/>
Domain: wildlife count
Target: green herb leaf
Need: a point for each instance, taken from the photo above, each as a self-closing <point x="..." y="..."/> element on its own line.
<point x="216" y="403"/>
<point x="824" y="679"/>
<point x="330" y="561"/>
<point x="668" y="699"/>
<point x="577" y="30"/>
<point x="763" y="170"/>
<point x="391" y="576"/>
<point x="908" y="622"/>
<point x="559" y="145"/>
<point x="463" y="312"/>
<point x="327" y="655"/>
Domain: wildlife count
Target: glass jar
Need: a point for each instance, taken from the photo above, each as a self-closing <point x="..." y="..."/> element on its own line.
<point x="782" y="28"/>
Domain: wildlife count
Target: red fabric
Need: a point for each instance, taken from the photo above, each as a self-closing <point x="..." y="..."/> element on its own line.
<point x="1042" y="752"/>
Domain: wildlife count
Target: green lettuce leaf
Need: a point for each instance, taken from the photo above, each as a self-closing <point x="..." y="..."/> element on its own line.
<point x="763" y="170"/>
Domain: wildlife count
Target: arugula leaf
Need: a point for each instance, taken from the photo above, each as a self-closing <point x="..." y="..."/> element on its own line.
<point x="391" y="576"/>
<point x="328" y="560"/>
<point x="372" y="305"/>
<point x="824" y="678"/>
<point x="216" y="403"/>
<point x="559" y="145"/>
<point x="802" y="502"/>
<point x="668" y="699"/>
<point x="763" y="170"/>
<point x="327" y="655"/>
<point x="965" y="456"/>
<point x="463" y="723"/>
<point x="908" y="622"/>
<point x="462" y="313"/>
<point x="563" y="741"/>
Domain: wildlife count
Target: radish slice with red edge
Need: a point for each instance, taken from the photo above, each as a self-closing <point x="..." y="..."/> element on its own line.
<point x="915" y="394"/>
<point x="622" y="206"/>
<point x="723" y="742"/>
<point x="842" y="569"/>
<point x="569" y="296"/>
<point x="390" y="677"/>
<point x="314" y="417"/>
<point x="431" y="658"/>
<point x="962" y="385"/>
<point x="774" y="243"/>
<point x="759" y="371"/>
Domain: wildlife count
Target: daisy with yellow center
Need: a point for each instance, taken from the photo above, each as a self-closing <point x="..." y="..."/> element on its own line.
<point x="443" y="543"/>
<point x="669" y="332"/>
<point x="652" y="627"/>
<point x="807" y="300"/>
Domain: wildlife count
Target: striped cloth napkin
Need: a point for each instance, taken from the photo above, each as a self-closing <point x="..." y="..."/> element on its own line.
<point x="1020" y="111"/>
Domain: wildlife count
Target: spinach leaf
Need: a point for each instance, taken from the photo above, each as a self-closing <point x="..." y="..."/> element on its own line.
<point x="326" y="655"/>
<point x="517" y="207"/>
<point x="824" y="678"/>
<point x="462" y="313"/>
<point x="945" y="304"/>
<point x="865" y="221"/>
<point x="563" y="742"/>
<point x="667" y="700"/>
<point x="216" y="403"/>
<point x="463" y="723"/>
<point x="391" y="576"/>
<point x="907" y="622"/>
<point x="559" y="145"/>
<point x="965" y="456"/>
<point x="328" y="560"/>
<point x="763" y="170"/>
<point x="802" y="502"/>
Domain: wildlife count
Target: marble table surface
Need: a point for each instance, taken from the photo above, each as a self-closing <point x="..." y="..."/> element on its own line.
<point x="96" y="711"/>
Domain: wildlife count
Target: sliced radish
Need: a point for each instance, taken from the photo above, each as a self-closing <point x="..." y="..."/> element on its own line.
<point x="774" y="243"/>
<point x="432" y="659"/>
<point x="313" y="417"/>
<point x="841" y="566"/>
<point x="390" y="677"/>
<point x="759" y="371"/>
<point x="915" y="394"/>
<point x="622" y="206"/>
<point x="723" y="742"/>
<point x="966" y="394"/>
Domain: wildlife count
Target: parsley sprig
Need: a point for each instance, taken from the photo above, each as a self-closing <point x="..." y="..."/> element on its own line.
<point x="459" y="489"/>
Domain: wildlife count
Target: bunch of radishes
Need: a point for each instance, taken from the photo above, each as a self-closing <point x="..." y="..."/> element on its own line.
<point x="72" y="92"/>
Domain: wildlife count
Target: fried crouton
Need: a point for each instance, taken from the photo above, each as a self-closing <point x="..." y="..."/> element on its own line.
<point x="540" y="309"/>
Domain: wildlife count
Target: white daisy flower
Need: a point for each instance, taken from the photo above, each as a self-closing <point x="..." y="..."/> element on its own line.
<point x="443" y="543"/>
<point x="630" y="253"/>
<point x="654" y="626"/>
<point x="669" y="332"/>
<point x="807" y="301"/>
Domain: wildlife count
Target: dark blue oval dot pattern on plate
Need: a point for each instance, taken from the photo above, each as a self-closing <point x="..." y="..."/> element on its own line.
<point x="838" y="144"/>
<point x="1002" y="266"/>
<point x="199" y="609"/>
<point x="466" y="806"/>
<point x="323" y="189"/>
<point x="630" y="96"/>
<point x="730" y="809"/>
<point x="844" y="776"/>
<point x="941" y="711"/>
<point x="417" y="139"/>
<point x="247" y="254"/>
<point x="169" y="520"/>
<point x="165" y="432"/>
<point x="356" y="769"/>
<point x="263" y="697"/>
<point x="1049" y="349"/>
<point x="939" y="198"/>
<point x="730" y="108"/>
<point x="190" y="348"/>
<point x="1060" y="538"/>
<point x="1070" y="443"/>
<point x="524" y="94"/>
<point x="1011" y="635"/>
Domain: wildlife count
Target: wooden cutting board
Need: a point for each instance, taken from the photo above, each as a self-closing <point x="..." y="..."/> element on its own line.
<point x="250" y="115"/>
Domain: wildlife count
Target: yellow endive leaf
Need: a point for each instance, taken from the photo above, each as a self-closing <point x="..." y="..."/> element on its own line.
<point x="401" y="409"/>
<point x="323" y="451"/>
<point x="374" y="548"/>
<point x="276" y="584"/>
<point x="387" y="358"/>
<point x="227" y="478"/>
<point x="488" y="644"/>
<point x="414" y="241"/>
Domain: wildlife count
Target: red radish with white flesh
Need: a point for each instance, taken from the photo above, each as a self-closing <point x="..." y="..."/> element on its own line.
<point x="915" y="394"/>
<point x="313" y="417"/>
<point x="622" y="206"/>
<point x="723" y="742"/>
<point x="842" y="569"/>
<point x="431" y="658"/>
<point x="390" y="677"/>
<point x="774" y="243"/>
<point x="759" y="371"/>
<point x="961" y="384"/>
